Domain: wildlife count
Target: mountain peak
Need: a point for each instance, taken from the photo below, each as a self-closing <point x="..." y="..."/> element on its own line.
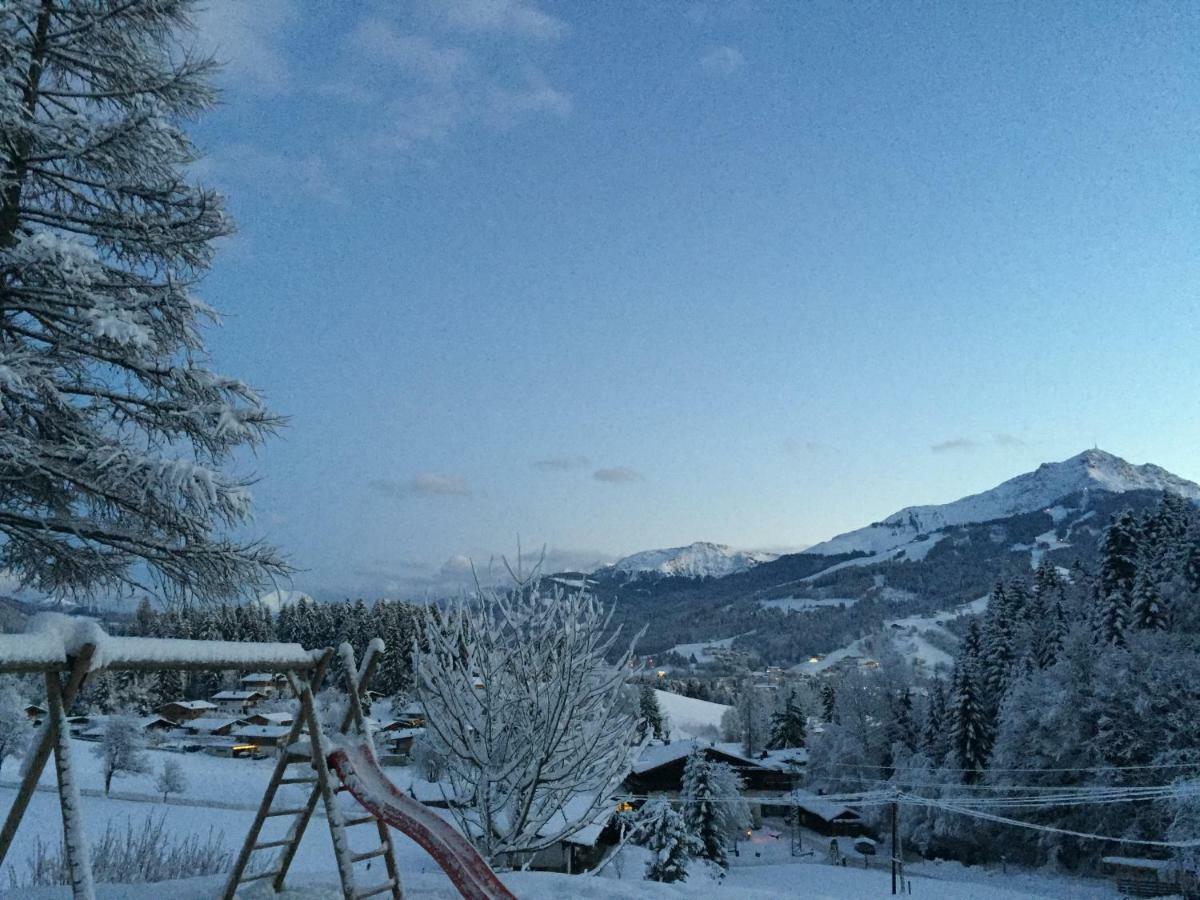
<point x="1091" y="470"/>
<point x="697" y="560"/>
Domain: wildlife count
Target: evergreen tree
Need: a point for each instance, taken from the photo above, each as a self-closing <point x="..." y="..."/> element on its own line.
<point x="789" y="725"/>
<point x="902" y="729"/>
<point x="709" y="810"/>
<point x="970" y="734"/>
<point x="1147" y="609"/>
<point x="828" y="700"/>
<point x="663" y="831"/>
<point x="115" y="432"/>
<point x="753" y="718"/>
<point x="1118" y="572"/>
<point x="935" y="735"/>
<point x="650" y="717"/>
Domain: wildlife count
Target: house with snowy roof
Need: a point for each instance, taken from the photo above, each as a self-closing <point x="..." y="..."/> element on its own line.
<point x="266" y="683"/>
<point x="237" y="701"/>
<point x="185" y="710"/>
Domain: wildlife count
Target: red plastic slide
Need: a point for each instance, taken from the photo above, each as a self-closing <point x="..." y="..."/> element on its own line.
<point x="360" y="773"/>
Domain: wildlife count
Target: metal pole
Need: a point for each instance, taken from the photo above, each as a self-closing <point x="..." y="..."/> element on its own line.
<point x="895" y="805"/>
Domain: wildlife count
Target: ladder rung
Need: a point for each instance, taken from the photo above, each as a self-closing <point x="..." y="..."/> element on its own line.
<point x="358" y="820"/>
<point x="299" y="757"/>
<point x="297" y="780"/>
<point x="370" y="854"/>
<point x="284" y="812"/>
<point x="258" y="876"/>
<point x="378" y="889"/>
<point x="266" y="845"/>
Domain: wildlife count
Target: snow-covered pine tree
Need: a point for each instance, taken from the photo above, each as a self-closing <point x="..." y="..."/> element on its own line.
<point x="1146" y="606"/>
<point x="712" y="805"/>
<point x="1118" y="571"/>
<point x="970" y="735"/>
<point x="663" y="831"/>
<point x="650" y="717"/>
<point x="935" y="738"/>
<point x="115" y="431"/>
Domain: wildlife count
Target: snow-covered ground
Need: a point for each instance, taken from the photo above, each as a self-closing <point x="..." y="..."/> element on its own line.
<point x="909" y="636"/>
<point x="689" y="717"/>
<point x="699" y="649"/>
<point x="803" y="604"/>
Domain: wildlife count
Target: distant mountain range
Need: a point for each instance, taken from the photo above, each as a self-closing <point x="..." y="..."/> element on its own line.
<point x="918" y="561"/>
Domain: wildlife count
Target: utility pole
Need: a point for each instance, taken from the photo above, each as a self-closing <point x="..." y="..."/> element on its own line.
<point x="895" y="849"/>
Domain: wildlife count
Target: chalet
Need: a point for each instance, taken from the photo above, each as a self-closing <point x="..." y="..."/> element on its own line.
<point x="824" y="816"/>
<point x="266" y="683"/>
<point x="270" y="718"/>
<point x="398" y="741"/>
<point x="184" y="710"/>
<point x="148" y="724"/>
<point x="659" y="769"/>
<point x="237" y="701"/>
<point x="261" y="736"/>
<point x="35" y="713"/>
<point x="412" y="716"/>
<point x="211" y="726"/>
<point x="1140" y="877"/>
<point x="580" y="851"/>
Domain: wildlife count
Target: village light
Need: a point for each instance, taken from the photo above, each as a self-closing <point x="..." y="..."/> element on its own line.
<point x="662" y="673"/>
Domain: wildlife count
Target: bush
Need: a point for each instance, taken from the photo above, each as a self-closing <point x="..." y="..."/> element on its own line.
<point x="132" y="856"/>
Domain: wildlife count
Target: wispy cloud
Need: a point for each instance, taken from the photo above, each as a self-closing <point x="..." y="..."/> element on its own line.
<point x="512" y="17"/>
<point x="617" y="475"/>
<point x="242" y="37"/>
<point x="561" y="463"/>
<point x="423" y="484"/>
<point x="967" y="444"/>
<point x="249" y="166"/>
<point x="722" y="60"/>
<point x="955" y="445"/>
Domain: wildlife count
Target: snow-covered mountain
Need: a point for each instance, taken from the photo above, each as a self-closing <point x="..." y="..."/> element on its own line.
<point x="698" y="560"/>
<point x="1090" y="471"/>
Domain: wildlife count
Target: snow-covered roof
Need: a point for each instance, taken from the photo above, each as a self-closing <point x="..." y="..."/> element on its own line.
<point x="259" y="677"/>
<point x="819" y="806"/>
<point x="50" y="638"/>
<point x="279" y="718"/>
<point x="209" y="725"/>
<point x="262" y="731"/>
<point x="236" y="695"/>
<point x="191" y="704"/>
<point x="575" y="809"/>
<point x="660" y="754"/>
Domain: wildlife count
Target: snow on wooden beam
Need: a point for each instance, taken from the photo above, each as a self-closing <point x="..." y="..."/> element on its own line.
<point x="51" y="639"/>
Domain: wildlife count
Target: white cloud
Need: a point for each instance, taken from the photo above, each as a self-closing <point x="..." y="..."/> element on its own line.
<point x="252" y="167"/>
<point x="241" y="36"/>
<point x="954" y="445"/>
<point x="514" y="17"/>
<point x="722" y="60"/>
<point x="415" y="54"/>
<point x="424" y="484"/>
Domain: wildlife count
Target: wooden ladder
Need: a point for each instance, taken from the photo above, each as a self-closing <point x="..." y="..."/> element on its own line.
<point x="305" y="744"/>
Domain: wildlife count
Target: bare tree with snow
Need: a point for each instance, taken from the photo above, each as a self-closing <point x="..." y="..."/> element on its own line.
<point x="121" y="749"/>
<point x="14" y="724"/>
<point x="115" y="430"/>
<point x="525" y="709"/>
<point x="171" y="778"/>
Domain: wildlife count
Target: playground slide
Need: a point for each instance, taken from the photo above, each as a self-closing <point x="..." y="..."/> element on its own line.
<point x="360" y="773"/>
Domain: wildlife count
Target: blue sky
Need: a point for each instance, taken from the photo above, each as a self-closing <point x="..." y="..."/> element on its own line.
<point x="613" y="277"/>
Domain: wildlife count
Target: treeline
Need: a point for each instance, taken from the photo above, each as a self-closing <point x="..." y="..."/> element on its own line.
<point x="1068" y="683"/>
<point x="307" y="623"/>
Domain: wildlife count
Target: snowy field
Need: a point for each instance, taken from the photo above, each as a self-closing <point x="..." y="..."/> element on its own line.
<point x="763" y="867"/>
<point x="689" y="717"/>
